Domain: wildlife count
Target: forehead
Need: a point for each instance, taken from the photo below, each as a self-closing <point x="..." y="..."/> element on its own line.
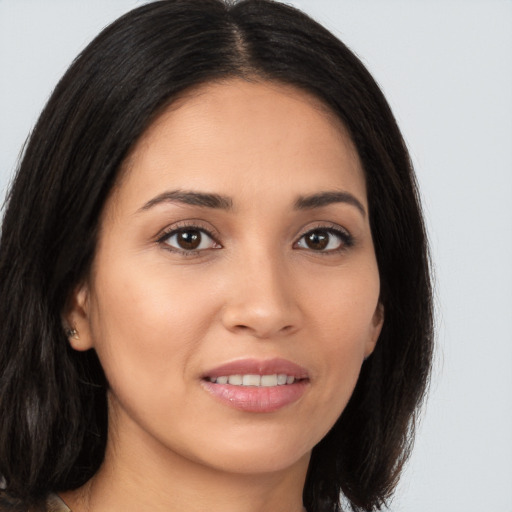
<point x="243" y="136"/>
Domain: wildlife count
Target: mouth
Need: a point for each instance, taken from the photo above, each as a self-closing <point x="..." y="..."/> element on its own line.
<point x="257" y="386"/>
<point x="265" y="381"/>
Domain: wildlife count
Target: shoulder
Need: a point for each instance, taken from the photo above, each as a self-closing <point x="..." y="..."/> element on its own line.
<point x="53" y="504"/>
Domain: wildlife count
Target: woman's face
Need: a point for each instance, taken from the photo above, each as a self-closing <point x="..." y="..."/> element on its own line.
<point x="234" y="292"/>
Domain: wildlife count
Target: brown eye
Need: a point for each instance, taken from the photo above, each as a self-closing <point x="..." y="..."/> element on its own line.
<point x="190" y="239"/>
<point x="325" y="240"/>
<point x="317" y="240"/>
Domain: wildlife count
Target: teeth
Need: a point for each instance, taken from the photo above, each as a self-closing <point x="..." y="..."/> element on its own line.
<point x="280" y="379"/>
<point x="269" y="380"/>
<point x="236" y="380"/>
<point x="251" y="380"/>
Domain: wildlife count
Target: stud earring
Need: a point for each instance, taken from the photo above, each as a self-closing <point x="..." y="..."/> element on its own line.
<point x="72" y="333"/>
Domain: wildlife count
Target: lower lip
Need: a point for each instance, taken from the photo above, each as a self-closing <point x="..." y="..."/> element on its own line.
<point x="255" y="398"/>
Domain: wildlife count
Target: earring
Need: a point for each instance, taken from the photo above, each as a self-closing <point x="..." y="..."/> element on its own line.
<point x="72" y="333"/>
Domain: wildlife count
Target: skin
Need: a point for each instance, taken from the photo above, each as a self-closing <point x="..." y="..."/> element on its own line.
<point x="159" y="318"/>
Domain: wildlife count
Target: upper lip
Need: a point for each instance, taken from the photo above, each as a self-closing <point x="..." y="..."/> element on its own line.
<point x="258" y="367"/>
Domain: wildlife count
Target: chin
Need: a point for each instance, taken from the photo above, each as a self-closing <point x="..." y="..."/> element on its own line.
<point x="270" y="461"/>
<point x="256" y="452"/>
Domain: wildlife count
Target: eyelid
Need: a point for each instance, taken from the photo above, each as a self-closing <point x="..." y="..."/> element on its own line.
<point x="192" y="224"/>
<point x="347" y="239"/>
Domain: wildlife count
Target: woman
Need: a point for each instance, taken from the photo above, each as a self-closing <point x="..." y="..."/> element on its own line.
<point x="214" y="283"/>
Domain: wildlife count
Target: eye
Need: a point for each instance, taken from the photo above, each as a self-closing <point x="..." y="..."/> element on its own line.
<point x="325" y="240"/>
<point x="187" y="239"/>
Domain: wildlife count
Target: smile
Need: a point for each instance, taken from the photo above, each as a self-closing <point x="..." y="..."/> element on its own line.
<point x="257" y="386"/>
<point x="265" y="381"/>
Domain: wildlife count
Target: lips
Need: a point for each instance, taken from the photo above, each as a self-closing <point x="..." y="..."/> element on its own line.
<point x="257" y="386"/>
<point x="280" y="379"/>
<point x="258" y="367"/>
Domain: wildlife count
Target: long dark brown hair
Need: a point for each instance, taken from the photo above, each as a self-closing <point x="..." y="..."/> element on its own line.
<point x="53" y="420"/>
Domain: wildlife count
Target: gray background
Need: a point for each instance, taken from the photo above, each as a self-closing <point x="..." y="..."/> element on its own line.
<point x="446" y="69"/>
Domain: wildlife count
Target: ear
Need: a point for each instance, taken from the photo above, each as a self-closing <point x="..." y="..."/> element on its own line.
<point x="375" y="329"/>
<point x="76" y="319"/>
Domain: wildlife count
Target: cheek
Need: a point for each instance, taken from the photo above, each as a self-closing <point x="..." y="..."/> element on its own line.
<point x="343" y="307"/>
<point x="343" y="319"/>
<point x="146" y="323"/>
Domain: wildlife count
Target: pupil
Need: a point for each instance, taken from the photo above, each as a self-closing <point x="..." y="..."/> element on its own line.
<point x="317" y="240"/>
<point x="189" y="239"/>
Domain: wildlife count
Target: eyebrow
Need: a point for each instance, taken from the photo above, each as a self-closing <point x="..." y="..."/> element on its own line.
<point x="326" y="198"/>
<point x="217" y="201"/>
<point x="192" y="198"/>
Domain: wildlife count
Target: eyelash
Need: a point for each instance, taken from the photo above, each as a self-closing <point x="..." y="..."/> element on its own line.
<point x="175" y="230"/>
<point x="345" y="238"/>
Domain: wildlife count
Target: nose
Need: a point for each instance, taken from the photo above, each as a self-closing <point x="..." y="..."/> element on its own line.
<point x="262" y="299"/>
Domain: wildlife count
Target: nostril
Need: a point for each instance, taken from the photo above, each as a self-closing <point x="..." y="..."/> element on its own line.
<point x="262" y="320"/>
<point x="241" y="327"/>
<point x="262" y="332"/>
